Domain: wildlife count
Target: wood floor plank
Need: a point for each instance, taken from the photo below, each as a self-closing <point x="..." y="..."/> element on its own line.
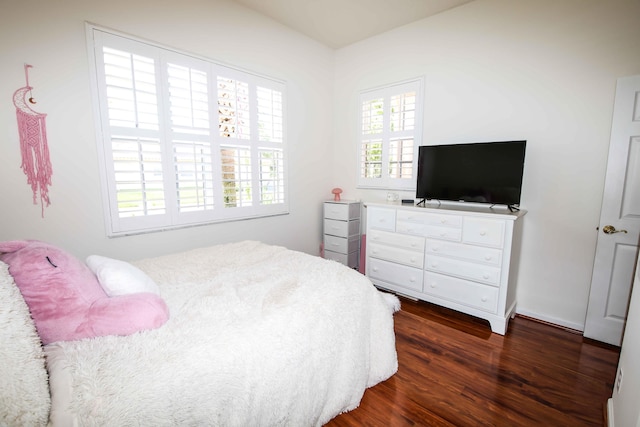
<point x="454" y="372"/>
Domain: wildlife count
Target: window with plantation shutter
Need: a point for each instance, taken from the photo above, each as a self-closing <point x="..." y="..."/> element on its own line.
<point x="390" y="130"/>
<point x="184" y="140"/>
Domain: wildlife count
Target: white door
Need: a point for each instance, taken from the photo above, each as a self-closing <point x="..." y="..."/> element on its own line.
<point x="619" y="230"/>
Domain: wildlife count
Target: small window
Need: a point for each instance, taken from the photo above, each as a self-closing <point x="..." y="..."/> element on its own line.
<point x="390" y="130"/>
<point x="183" y="140"/>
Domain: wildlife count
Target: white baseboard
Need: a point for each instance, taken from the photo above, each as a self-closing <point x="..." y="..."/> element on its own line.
<point x="552" y="320"/>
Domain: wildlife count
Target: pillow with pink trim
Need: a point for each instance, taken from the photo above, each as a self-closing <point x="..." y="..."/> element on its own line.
<point x="66" y="300"/>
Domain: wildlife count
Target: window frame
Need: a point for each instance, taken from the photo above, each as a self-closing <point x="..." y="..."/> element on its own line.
<point x="386" y="135"/>
<point x="172" y="218"/>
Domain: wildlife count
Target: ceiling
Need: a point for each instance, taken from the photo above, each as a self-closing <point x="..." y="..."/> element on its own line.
<point x="338" y="23"/>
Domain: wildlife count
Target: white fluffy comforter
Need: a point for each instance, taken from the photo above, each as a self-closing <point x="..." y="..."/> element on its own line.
<point x="258" y="336"/>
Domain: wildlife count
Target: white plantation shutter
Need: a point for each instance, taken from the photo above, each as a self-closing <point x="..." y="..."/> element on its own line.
<point x="401" y="158"/>
<point x="184" y="140"/>
<point x="402" y="127"/>
<point x="271" y="155"/>
<point x="235" y="155"/>
<point x="137" y="170"/>
<point x="132" y="145"/>
<point x="188" y="95"/>
<point x="130" y="82"/>
<point x="270" y="118"/>
<point x="236" y="176"/>
<point x="371" y="143"/>
<point x="271" y="176"/>
<point x="390" y="128"/>
<point x="194" y="175"/>
<point x="233" y="108"/>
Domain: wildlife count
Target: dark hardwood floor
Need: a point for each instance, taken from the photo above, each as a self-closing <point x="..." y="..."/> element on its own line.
<point x="454" y="372"/>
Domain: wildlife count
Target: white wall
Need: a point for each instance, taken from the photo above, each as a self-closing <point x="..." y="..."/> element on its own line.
<point x="544" y="71"/>
<point x="51" y="37"/>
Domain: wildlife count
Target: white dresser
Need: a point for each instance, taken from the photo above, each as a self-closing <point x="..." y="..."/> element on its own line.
<point x="461" y="258"/>
<point x="341" y="235"/>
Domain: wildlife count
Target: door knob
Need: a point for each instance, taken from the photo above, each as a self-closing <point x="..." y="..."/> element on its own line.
<point x="610" y="229"/>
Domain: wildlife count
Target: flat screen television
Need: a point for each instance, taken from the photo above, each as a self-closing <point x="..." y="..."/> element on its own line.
<point x="484" y="172"/>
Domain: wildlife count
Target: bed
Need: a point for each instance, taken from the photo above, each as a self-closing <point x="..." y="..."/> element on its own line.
<point x="257" y="335"/>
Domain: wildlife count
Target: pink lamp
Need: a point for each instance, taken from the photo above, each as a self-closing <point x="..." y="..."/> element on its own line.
<point x="336" y="194"/>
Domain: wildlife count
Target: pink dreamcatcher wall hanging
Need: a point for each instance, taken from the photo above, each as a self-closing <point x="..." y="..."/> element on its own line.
<point x="33" y="144"/>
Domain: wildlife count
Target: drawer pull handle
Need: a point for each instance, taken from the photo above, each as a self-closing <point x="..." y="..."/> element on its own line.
<point x="433" y="285"/>
<point x="483" y="299"/>
<point x="483" y="233"/>
<point x="434" y="265"/>
<point x="413" y="259"/>
<point x="435" y="249"/>
<point x="485" y="276"/>
<point x="335" y="244"/>
<point x="412" y="279"/>
<point x="375" y="269"/>
<point x="488" y="257"/>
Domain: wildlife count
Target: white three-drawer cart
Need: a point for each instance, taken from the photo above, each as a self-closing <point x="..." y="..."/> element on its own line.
<point x="341" y="234"/>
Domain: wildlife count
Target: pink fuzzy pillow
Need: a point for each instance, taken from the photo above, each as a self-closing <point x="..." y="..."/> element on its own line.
<point x="66" y="300"/>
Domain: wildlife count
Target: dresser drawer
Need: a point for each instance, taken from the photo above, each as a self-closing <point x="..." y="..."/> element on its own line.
<point x="343" y="245"/>
<point x="461" y="291"/>
<point x="488" y="256"/>
<point x="430" y="218"/>
<point x="381" y="218"/>
<point x="413" y="215"/>
<point x="414" y="243"/>
<point x="400" y="275"/>
<point x="444" y="220"/>
<point x="391" y="253"/>
<point x="445" y="233"/>
<point x="342" y="211"/>
<point x="341" y="228"/>
<point x="410" y="228"/>
<point x="481" y="231"/>
<point x="468" y="270"/>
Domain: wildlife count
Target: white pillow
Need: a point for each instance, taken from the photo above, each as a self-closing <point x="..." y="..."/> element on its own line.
<point x="119" y="277"/>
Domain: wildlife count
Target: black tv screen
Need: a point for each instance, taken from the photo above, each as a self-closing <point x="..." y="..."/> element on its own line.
<point x="485" y="172"/>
